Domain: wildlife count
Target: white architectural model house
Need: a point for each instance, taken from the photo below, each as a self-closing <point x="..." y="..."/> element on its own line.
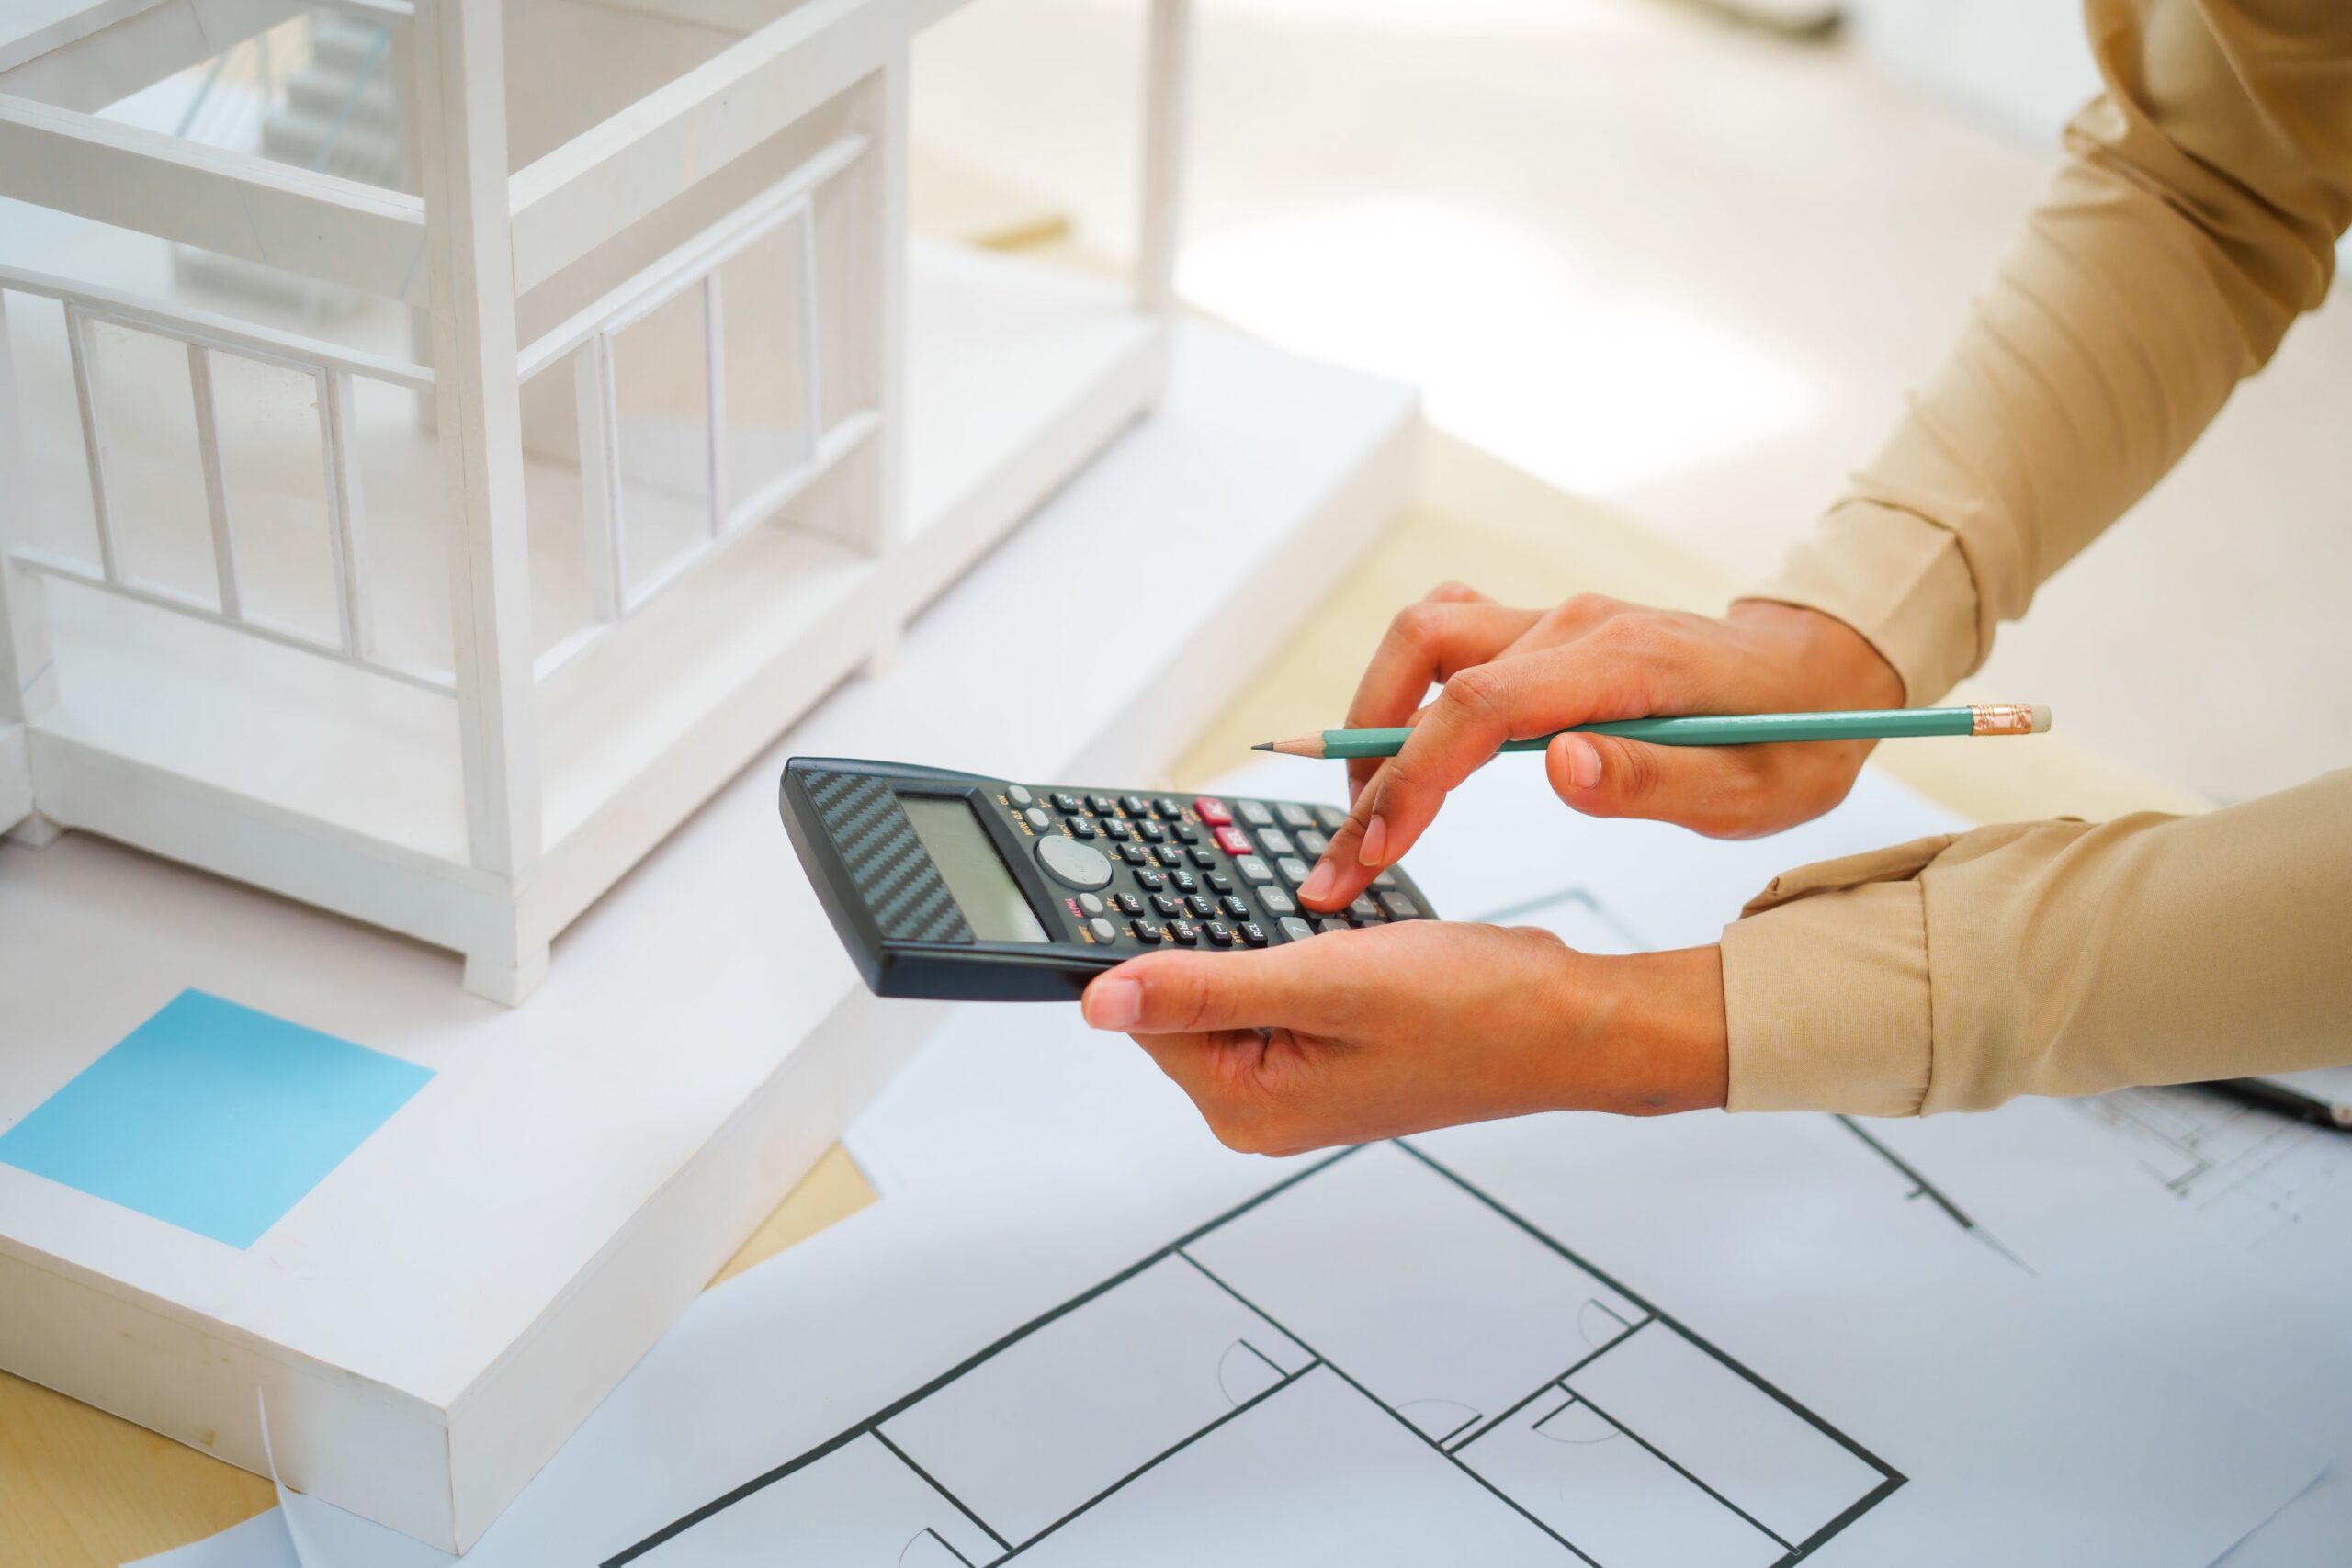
<point x="441" y="441"/>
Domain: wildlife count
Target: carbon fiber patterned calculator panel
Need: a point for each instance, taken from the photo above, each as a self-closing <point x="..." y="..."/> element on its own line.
<point x="889" y="865"/>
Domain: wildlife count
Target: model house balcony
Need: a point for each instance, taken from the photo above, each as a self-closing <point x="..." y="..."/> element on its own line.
<point x="443" y="442"/>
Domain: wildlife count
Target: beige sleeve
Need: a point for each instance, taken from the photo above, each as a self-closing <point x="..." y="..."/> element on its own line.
<point x="2050" y="958"/>
<point x="2195" y="218"/>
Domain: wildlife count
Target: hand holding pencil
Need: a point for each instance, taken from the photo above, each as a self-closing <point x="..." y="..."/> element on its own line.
<point x="1508" y="673"/>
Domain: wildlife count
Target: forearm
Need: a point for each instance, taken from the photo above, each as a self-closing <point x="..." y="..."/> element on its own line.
<point x="2195" y="219"/>
<point x="2050" y="958"/>
<point x="1648" y="1035"/>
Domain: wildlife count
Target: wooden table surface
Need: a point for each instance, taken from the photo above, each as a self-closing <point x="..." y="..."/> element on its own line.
<point x="82" y="1489"/>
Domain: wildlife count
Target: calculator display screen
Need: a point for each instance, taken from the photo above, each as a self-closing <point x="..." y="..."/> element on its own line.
<point x="972" y="869"/>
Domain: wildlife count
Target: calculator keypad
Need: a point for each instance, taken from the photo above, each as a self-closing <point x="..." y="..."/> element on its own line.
<point x="1208" y="872"/>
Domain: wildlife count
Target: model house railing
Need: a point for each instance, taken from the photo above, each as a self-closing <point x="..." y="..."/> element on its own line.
<point x="206" y="337"/>
<point x="587" y="342"/>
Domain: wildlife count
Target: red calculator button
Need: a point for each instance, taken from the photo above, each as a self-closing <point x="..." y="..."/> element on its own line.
<point x="1212" y="811"/>
<point x="1232" y="840"/>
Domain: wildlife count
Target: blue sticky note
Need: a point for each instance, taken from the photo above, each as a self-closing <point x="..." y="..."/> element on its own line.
<point x="212" y="1117"/>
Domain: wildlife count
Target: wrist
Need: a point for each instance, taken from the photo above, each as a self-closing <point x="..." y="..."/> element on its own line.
<point x="1843" y="668"/>
<point x="1656" y="1037"/>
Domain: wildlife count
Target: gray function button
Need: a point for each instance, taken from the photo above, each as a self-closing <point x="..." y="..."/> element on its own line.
<point x="1090" y="903"/>
<point x="1399" y="907"/>
<point x="1276" y="901"/>
<point x="1018" y="795"/>
<point x="1333" y="818"/>
<point x="1294" y="869"/>
<point x="1363" y="909"/>
<point x="1294" y="816"/>
<point x="1255" y="813"/>
<point x="1274" y="841"/>
<point x="1254" y="869"/>
<point x="1105" y="931"/>
<point x="1313" y="843"/>
<point x="1295" y="930"/>
<point x="1079" y="865"/>
<point x="1039" y="818"/>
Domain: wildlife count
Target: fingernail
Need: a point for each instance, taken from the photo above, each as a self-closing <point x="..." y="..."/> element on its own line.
<point x="1113" y="1004"/>
<point x="1319" y="882"/>
<point x="1374" y="843"/>
<point x="1584" y="762"/>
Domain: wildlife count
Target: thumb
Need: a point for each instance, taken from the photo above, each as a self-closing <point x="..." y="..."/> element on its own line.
<point x="1706" y="788"/>
<point x="1200" y="993"/>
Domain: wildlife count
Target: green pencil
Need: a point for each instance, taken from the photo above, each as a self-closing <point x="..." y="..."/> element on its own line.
<point x="1720" y="729"/>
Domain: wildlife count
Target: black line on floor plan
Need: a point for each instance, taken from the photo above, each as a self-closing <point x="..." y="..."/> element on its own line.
<point x="1891" y="1478"/>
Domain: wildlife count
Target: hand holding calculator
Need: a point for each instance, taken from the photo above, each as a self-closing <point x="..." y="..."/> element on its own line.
<point x="962" y="887"/>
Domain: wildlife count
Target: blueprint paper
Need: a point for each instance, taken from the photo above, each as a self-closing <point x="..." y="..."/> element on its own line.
<point x="259" y="1542"/>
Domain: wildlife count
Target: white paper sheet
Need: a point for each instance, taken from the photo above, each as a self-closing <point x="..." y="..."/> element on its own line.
<point x="1702" y="1338"/>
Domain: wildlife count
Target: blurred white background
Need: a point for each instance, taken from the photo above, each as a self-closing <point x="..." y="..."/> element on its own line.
<point x="1686" y="267"/>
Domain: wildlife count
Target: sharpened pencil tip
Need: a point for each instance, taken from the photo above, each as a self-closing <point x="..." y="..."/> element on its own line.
<point x="1261" y="746"/>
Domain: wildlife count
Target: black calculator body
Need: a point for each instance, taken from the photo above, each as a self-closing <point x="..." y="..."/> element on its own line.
<point x="964" y="888"/>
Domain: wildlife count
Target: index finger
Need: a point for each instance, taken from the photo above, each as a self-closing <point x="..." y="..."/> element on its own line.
<point x="1428" y="640"/>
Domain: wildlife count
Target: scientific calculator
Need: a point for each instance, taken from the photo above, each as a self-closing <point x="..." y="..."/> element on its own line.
<point x="966" y="888"/>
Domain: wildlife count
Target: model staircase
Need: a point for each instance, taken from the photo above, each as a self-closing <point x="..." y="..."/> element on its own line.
<point x="340" y="116"/>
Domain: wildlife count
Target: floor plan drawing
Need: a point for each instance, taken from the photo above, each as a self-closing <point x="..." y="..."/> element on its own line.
<point x="2258" y="1177"/>
<point x="1371" y="1361"/>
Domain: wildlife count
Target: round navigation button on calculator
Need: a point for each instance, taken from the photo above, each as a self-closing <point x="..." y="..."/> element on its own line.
<point x="1079" y="865"/>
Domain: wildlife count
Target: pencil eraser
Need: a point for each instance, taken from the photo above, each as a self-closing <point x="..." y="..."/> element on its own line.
<point x="2041" y="718"/>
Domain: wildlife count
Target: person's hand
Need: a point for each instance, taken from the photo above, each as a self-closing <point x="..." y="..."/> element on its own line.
<point x="1510" y="674"/>
<point x="1361" y="1034"/>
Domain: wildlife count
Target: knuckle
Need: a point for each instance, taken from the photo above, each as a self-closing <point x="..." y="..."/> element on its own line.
<point x="1420" y="623"/>
<point x="1638" y="771"/>
<point x="1586" y="609"/>
<point x="1477" y="691"/>
<point x="1452" y="591"/>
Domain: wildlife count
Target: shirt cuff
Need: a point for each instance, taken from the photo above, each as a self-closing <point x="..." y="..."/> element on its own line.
<point x="1894" y="577"/>
<point x="1827" y="1003"/>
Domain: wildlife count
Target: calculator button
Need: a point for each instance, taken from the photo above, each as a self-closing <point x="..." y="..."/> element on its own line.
<point x="1171" y="854"/>
<point x="1146" y="932"/>
<point x="1183" y="882"/>
<point x="1218" y="882"/>
<point x="1090" y="903"/>
<point x="1079" y="865"/>
<point x="1038" y="818"/>
<point x="1101" y="805"/>
<point x="1363" y="909"/>
<point x="1333" y="818"/>
<point x="1385" y="880"/>
<point x="1167" y="903"/>
<point x="1128" y="904"/>
<point x="1202" y="907"/>
<point x="1276" y="901"/>
<point x="1219" y="933"/>
<point x="1313" y="844"/>
<point x="1018" y="795"/>
<point x="1294" y="869"/>
<point x="1399" y="907"/>
<point x="1254" y="869"/>
<point x="1065" y="801"/>
<point x="1134" y="854"/>
<point x="1294" y="816"/>
<point x="1235" y="908"/>
<point x="1233" y="840"/>
<point x="1274" y="841"/>
<point x="1081" y="827"/>
<point x="1211" y="810"/>
<point x="1253" y="933"/>
<point x="1255" y="813"/>
<point x="1184" y="933"/>
<point x="1329" y="924"/>
<point x="1116" y="828"/>
<point x="1166" y="809"/>
<point x="1185" y="832"/>
<point x="1104" y="930"/>
<point x="1295" y="930"/>
<point x="1152" y="832"/>
<point x="1151" y="881"/>
<point x="1136" y="805"/>
<point x="1203" y="858"/>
